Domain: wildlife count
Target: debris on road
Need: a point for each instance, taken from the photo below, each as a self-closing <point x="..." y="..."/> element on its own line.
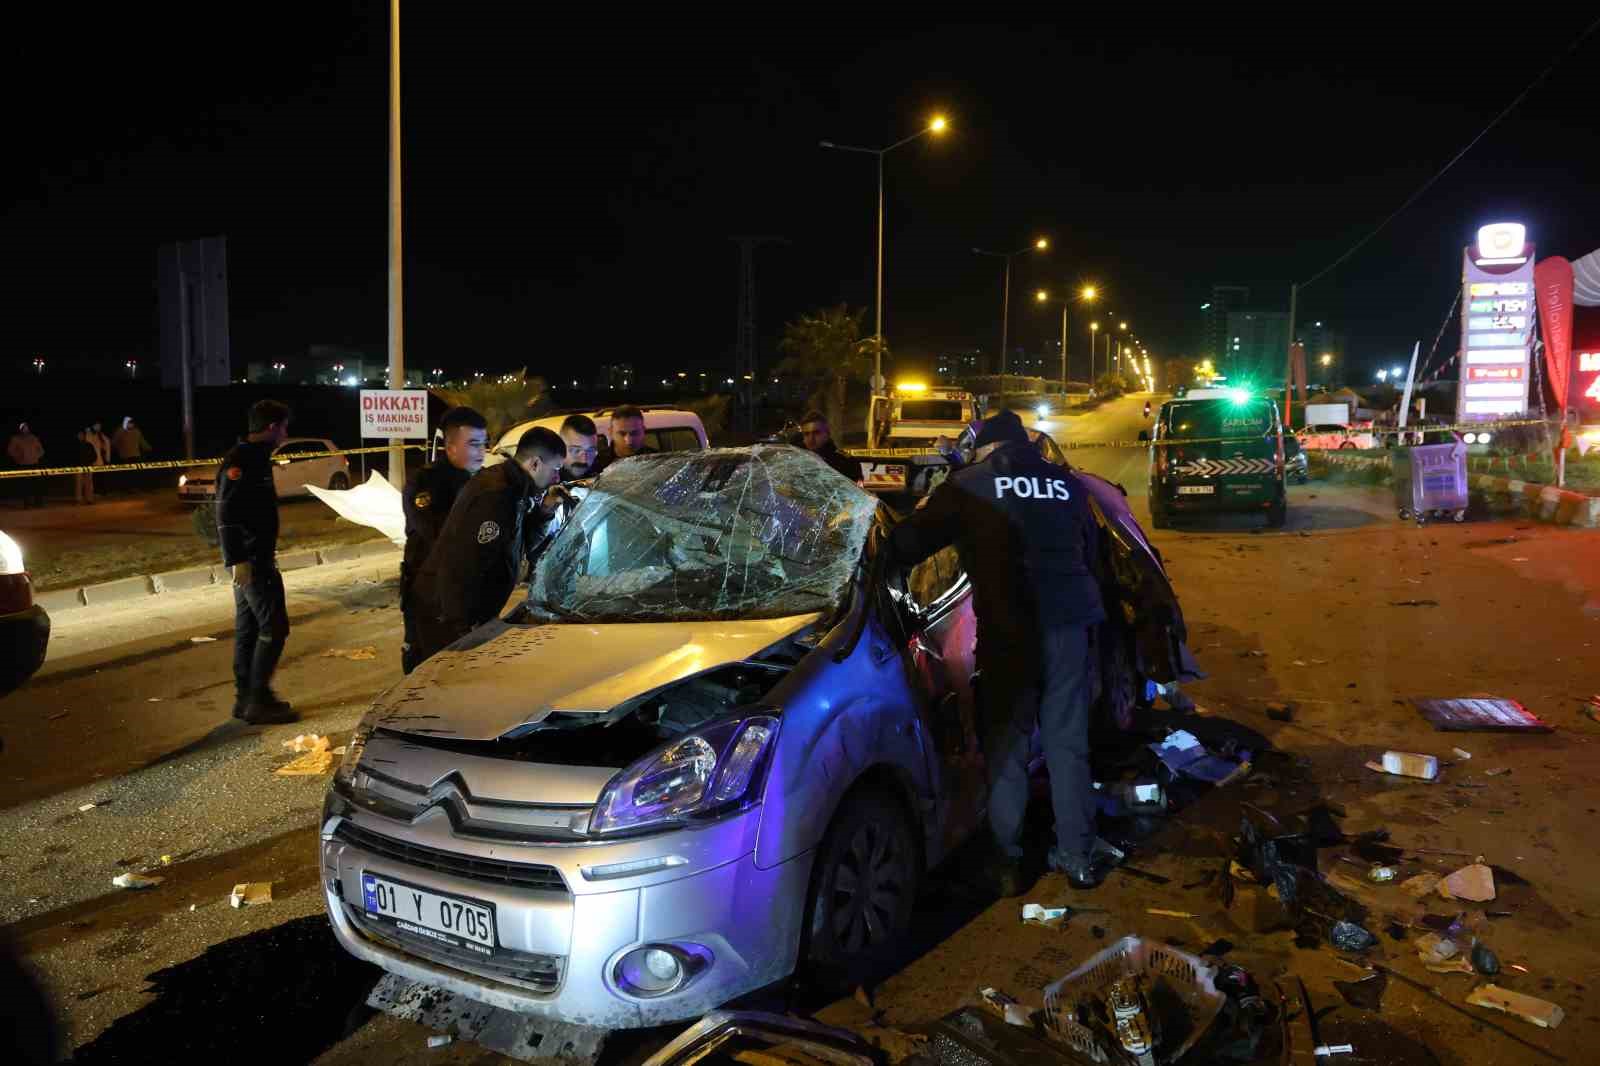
<point x="1488" y="714"/>
<point x="317" y="759"/>
<point x="1006" y="1007"/>
<point x="250" y="894"/>
<point x="1382" y="874"/>
<point x="1348" y="936"/>
<point x="1474" y="883"/>
<point x="1280" y="712"/>
<point x="1407" y="764"/>
<point x="82" y="807"/>
<point x="57" y="716"/>
<point x="1485" y="961"/>
<point x="1182" y="753"/>
<point x="1367" y="993"/>
<point x="1037" y="914"/>
<point x="1497" y="771"/>
<point x="1529" y="1008"/>
<point x="1160" y="913"/>
<point x="441" y="1040"/>
<point x="202" y="640"/>
<point x="1461" y="753"/>
<point x="359" y="655"/>
<point x="1413" y="603"/>
<point x="136" y="881"/>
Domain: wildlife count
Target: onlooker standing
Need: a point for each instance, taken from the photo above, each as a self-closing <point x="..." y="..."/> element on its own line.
<point x="128" y="445"/>
<point x="818" y="438"/>
<point x="247" y="524"/>
<point x="88" y="455"/>
<point x="24" y="450"/>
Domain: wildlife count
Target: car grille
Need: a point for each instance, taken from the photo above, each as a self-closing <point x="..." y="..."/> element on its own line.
<point x="493" y="871"/>
<point x="537" y="973"/>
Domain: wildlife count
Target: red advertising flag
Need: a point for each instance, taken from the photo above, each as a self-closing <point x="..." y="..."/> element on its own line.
<point x="1552" y="281"/>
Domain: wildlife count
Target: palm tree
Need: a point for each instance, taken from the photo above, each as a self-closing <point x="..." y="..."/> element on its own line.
<point x="827" y="349"/>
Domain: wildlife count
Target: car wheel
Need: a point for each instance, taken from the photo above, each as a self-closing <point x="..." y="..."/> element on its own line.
<point x="863" y="886"/>
<point x="339" y="482"/>
<point x="1348" y="445"/>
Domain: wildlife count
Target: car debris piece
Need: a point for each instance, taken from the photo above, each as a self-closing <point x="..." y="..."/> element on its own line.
<point x="357" y="655"/>
<point x="1474" y="883"/>
<point x="441" y="1040"/>
<point x="1410" y="764"/>
<point x="1461" y="753"/>
<point x="250" y="894"/>
<point x="970" y="1036"/>
<point x="202" y="640"/>
<point x="1529" y="1008"/>
<point x="1037" y="914"/>
<point x="530" y="1039"/>
<point x="1006" y="1007"/>
<point x="136" y="881"/>
<point x="1367" y="993"/>
<point x="1160" y="913"/>
<point x="1485" y="961"/>
<point x="1430" y="991"/>
<point x="82" y="807"/>
<point x="1182" y="753"/>
<point x="1433" y="948"/>
<point x="306" y="742"/>
<point x="1455" y="965"/>
<point x="1280" y="712"/>
<point x="1490" y="714"/>
<point x="1348" y="936"/>
<point x="1382" y="874"/>
<point x="1497" y="772"/>
<point x="1324" y="1050"/>
<point x="317" y="759"/>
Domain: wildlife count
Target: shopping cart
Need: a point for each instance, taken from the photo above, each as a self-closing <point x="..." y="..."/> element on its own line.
<point x="1430" y="481"/>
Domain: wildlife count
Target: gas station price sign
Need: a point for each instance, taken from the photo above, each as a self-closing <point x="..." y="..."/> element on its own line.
<point x="1496" y="323"/>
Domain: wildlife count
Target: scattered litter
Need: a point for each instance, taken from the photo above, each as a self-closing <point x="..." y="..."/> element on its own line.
<point x="153" y="699"/>
<point x="1382" y="874"/>
<point x="1299" y="662"/>
<point x="1253" y="653"/>
<point x="1182" y="753"/>
<point x="1366" y="993"/>
<point x="1413" y="603"/>
<point x="1013" y="1012"/>
<point x="359" y="655"/>
<point x="1324" y="1050"/>
<point x="1474" y="883"/>
<point x="250" y="894"/>
<point x="87" y="807"/>
<point x="1408" y="764"/>
<point x="441" y="1040"/>
<point x="1490" y="714"/>
<point x="202" y="640"/>
<point x="1485" y="961"/>
<point x="316" y="760"/>
<point x="57" y="716"/>
<point x="1158" y="912"/>
<point x="1520" y="968"/>
<point x="1497" y="771"/>
<point x="1037" y="914"/>
<point x="1528" y="1008"/>
<point x="191" y="908"/>
<point x="136" y="881"/>
<point x="1280" y="712"/>
<point x="1348" y="936"/>
<point x="1455" y="965"/>
<point x="1461" y="753"/>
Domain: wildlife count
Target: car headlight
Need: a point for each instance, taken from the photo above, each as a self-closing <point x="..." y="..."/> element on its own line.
<point x="1483" y="438"/>
<point x="10" y="556"/>
<point x="717" y="767"/>
<point x="345" y="775"/>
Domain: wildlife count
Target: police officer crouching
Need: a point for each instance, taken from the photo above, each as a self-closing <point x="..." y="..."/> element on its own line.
<point x="1029" y="541"/>
<point x="427" y="498"/>
<point x="498" y="518"/>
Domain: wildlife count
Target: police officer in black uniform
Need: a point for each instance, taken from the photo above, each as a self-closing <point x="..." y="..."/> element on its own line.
<point x="247" y="526"/>
<point x="427" y="498"/>
<point x="496" y="522"/>
<point x="817" y="436"/>
<point x="1029" y="541"/>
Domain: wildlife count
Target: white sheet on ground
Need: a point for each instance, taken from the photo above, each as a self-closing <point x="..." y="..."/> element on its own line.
<point x="375" y="504"/>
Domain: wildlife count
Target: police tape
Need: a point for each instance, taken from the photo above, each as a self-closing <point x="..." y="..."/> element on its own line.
<point x="1178" y="442"/>
<point x="181" y="464"/>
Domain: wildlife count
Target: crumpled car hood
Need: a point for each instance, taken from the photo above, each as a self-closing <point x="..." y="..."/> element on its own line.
<point x="516" y="675"/>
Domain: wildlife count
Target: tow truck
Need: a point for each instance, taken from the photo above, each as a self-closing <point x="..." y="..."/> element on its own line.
<point x="903" y="427"/>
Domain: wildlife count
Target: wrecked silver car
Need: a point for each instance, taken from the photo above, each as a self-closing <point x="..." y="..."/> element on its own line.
<point x="720" y="737"/>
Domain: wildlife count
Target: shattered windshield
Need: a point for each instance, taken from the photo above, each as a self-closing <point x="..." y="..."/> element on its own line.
<point x="760" y="532"/>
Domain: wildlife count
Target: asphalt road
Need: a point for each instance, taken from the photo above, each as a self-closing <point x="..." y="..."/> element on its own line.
<point x="131" y="714"/>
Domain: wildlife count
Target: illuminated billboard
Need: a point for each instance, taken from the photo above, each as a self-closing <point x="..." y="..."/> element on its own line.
<point x="1496" y="323"/>
<point x="1586" y="365"/>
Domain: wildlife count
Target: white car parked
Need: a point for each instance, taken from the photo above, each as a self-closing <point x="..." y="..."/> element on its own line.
<point x="296" y="463"/>
<point x="666" y="429"/>
<point x="1333" y="437"/>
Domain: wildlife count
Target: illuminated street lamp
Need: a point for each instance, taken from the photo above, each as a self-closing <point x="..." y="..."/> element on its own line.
<point x="1085" y="295"/>
<point x="1327" y="359"/>
<point x="1383" y="375"/>
<point x="937" y="125"/>
<point x="1040" y="244"/>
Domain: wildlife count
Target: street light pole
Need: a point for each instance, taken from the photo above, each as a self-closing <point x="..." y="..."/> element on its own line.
<point x="1041" y="244"/>
<point x="1063" y="347"/>
<point x="397" y="371"/>
<point x="937" y="125"/>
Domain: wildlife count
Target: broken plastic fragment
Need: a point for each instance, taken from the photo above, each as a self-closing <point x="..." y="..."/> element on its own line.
<point x="1474" y="883"/>
<point x="136" y="881"/>
<point x="1528" y="1008"/>
<point x="202" y="640"/>
<point x="1039" y="915"/>
<point x="250" y="894"/>
<point x="1348" y="936"/>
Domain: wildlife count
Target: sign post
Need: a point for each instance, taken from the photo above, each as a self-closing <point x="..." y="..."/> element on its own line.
<point x="1496" y="323"/>
<point x="394" y="415"/>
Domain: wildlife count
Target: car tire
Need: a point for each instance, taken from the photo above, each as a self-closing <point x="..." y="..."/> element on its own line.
<point x="339" y="482"/>
<point x="1348" y="445"/>
<point x="863" y="888"/>
<point x="1278" y="513"/>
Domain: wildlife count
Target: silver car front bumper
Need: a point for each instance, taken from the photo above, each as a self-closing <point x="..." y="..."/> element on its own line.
<point x="560" y="934"/>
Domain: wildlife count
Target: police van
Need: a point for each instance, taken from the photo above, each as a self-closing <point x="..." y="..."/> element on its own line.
<point x="1215" y="451"/>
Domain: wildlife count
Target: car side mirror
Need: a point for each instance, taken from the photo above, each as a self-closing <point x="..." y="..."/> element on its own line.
<point x="1144" y="436"/>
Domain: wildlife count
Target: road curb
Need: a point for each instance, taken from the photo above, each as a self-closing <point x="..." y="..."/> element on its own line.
<point x="1545" y="503"/>
<point x="127" y="588"/>
<point x="183" y="580"/>
<point x="107" y="593"/>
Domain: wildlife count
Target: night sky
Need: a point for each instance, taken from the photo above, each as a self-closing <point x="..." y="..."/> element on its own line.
<point x="571" y="186"/>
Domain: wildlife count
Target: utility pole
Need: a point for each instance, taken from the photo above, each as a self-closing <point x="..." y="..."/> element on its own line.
<point x="745" y="371"/>
<point x="1288" y="360"/>
<point x="397" y="361"/>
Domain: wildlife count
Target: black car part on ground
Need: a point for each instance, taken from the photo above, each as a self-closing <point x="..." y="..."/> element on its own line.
<point x="800" y="1040"/>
